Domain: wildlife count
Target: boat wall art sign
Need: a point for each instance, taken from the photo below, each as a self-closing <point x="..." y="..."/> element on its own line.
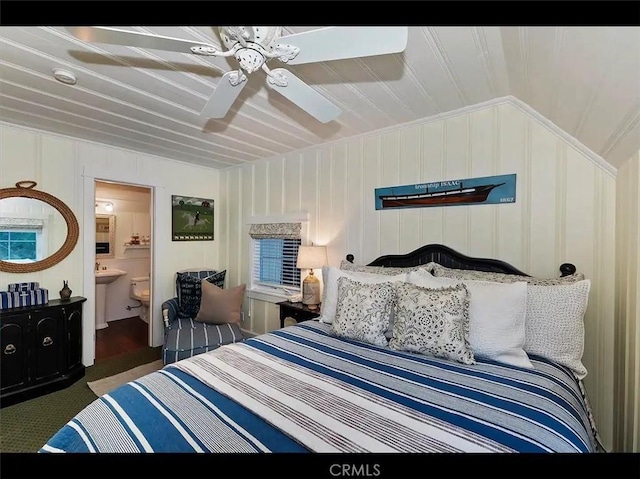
<point x="470" y="191"/>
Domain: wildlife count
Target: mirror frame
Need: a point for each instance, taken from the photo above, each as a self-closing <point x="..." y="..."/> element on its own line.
<point x="25" y="189"/>
<point x="112" y="234"/>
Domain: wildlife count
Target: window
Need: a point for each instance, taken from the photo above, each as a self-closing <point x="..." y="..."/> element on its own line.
<point x="22" y="240"/>
<point x="18" y="245"/>
<point x="275" y="262"/>
<point x="274" y="255"/>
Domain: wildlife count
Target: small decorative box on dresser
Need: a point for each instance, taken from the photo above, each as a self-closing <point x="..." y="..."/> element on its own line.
<point x="41" y="349"/>
<point x="297" y="311"/>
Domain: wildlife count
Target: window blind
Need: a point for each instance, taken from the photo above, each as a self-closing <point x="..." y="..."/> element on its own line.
<point x="274" y="263"/>
<point x="275" y="253"/>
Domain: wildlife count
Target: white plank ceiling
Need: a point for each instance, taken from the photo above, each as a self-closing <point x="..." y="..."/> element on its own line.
<point x="586" y="80"/>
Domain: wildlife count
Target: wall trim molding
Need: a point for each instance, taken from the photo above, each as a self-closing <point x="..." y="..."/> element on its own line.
<point x="577" y="145"/>
<point x="156" y="327"/>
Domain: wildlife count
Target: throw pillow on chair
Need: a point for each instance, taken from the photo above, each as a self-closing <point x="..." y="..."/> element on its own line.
<point x="185" y="334"/>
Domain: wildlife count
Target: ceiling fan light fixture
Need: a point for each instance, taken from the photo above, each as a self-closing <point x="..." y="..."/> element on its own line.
<point x="64" y="76"/>
<point x="253" y="47"/>
<point x="250" y="60"/>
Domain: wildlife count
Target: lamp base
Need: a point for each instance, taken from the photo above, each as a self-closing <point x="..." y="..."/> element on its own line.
<point x="311" y="291"/>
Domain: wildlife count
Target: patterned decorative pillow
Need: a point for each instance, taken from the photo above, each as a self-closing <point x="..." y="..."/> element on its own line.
<point x="497" y="315"/>
<point x="217" y="278"/>
<point x="363" y="311"/>
<point x="554" y="327"/>
<point x="433" y="322"/>
<point x="388" y="270"/>
<point x="189" y="291"/>
<point x="442" y="271"/>
<point x="330" y="276"/>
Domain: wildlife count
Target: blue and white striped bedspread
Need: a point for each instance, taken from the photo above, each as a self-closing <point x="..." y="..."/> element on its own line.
<point x="300" y="389"/>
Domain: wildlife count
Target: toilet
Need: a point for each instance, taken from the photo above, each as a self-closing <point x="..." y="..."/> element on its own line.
<point x="140" y="291"/>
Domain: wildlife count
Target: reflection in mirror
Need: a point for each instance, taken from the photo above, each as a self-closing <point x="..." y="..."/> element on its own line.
<point x="105" y="234"/>
<point x="30" y="230"/>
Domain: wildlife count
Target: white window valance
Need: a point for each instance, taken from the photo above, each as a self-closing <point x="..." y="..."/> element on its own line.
<point x="276" y="230"/>
<point x="21" y="223"/>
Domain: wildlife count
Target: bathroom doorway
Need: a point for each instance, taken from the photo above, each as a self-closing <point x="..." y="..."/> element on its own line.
<point x="123" y="261"/>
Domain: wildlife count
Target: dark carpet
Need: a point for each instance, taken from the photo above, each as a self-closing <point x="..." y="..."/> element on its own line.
<point x="27" y="426"/>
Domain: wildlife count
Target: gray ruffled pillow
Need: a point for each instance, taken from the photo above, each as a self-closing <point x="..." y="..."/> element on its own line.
<point x="442" y="271"/>
<point x="389" y="270"/>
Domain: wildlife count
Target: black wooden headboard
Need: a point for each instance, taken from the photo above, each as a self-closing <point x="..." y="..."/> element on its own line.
<point x="452" y="259"/>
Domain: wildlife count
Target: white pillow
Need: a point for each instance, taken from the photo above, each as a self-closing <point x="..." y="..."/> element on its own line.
<point x="330" y="275"/>
<point x="497" y="314"/>
<point x="555" y="323"/>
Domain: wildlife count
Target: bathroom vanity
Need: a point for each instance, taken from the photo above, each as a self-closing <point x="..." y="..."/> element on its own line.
<point x="41" y="349"/>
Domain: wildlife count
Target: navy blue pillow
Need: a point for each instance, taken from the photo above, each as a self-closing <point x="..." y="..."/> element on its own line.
<point x="189" y="291"/>
<point x="218" y="278"/>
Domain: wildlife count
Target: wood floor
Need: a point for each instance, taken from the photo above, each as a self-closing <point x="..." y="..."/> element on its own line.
<point x="121" y="337"/>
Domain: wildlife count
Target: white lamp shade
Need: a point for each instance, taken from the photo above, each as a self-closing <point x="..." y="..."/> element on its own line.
<point x="311" y="257"/>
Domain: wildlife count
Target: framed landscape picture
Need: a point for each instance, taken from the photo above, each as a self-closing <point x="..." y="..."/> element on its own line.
<point x="191" y="218"/>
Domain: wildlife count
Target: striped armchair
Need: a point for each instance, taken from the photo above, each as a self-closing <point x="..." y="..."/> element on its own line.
<point x="184" y="337"/>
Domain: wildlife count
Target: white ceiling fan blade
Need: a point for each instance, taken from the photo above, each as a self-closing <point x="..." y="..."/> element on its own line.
<point x="228" y="89"/>
<point x="116" y="36"/>
<point x="303" y="95"/>
<point x="336" y="43"/>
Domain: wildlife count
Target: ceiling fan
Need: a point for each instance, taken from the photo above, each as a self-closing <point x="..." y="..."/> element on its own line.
<point x="254" y="47"/>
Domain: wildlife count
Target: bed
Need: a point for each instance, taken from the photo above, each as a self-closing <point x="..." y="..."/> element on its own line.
<point x="304" y="388"/>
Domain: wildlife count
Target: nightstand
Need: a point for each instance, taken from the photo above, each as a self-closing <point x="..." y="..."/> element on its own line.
<point x="297" y="311"/>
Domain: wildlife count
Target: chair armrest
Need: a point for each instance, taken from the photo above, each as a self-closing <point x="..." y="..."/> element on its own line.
<point x="169" y="311"/>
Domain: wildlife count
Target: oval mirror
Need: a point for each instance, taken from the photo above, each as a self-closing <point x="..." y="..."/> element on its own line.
<point x="37" y="230"/>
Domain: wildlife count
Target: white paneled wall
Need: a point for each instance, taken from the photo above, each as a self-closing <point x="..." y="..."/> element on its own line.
<point x="67" y="168"/>
<point x="564" y="210"/>
<point x="627" y="339"/>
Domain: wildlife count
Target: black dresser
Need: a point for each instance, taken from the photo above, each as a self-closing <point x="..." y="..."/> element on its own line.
<point x="41" y="349"/>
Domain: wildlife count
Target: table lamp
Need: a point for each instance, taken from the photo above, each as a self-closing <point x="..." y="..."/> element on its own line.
<point x="311" y="257"/>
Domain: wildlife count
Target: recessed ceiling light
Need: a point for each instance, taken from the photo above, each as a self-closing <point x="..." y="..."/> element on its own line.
<point x="64" y="76"/>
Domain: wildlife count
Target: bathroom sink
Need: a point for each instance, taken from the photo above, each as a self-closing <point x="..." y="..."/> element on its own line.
<point x="106" y="276"/>
<point x="103" y="278"/>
